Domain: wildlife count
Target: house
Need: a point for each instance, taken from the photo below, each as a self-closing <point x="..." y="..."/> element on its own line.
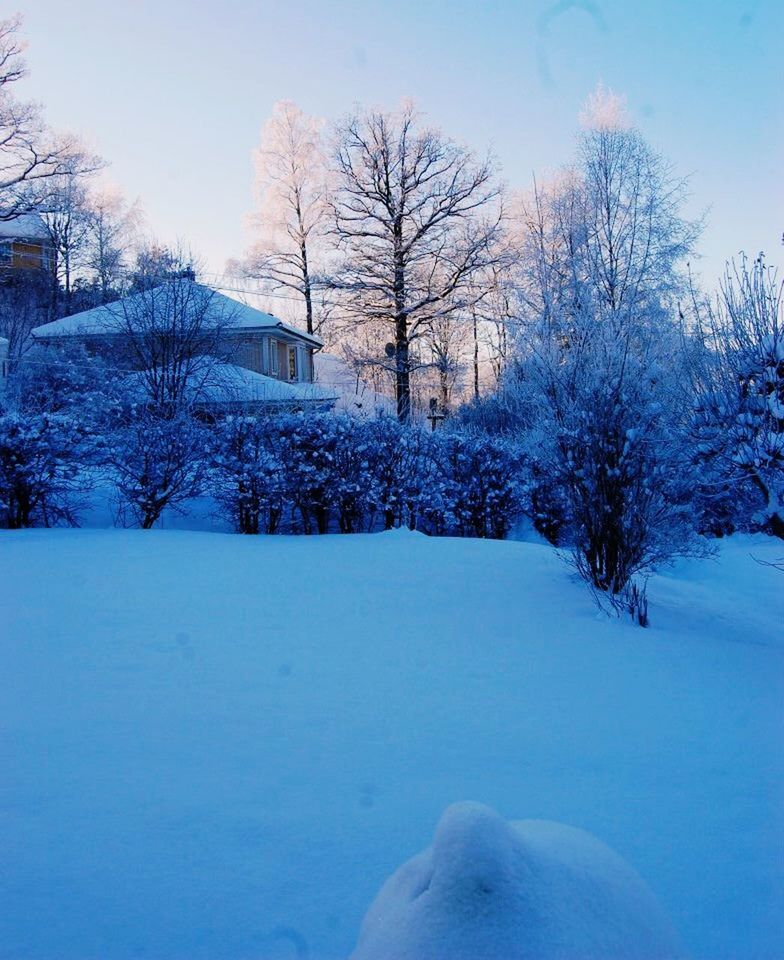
<point x="253" y="358"/>
<point x="25" y="244"/>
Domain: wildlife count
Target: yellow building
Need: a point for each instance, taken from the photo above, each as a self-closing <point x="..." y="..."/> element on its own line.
<point x="25" y="244"/>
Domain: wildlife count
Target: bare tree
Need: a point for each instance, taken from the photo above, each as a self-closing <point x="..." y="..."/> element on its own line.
<point x="416" y="218"/>
<point x="30" y="155"/>
<point x="174" y="332"/>
<point x="24" y="299"/>
<point x="66" y="218"/>
<point x="111" y="228"/>
<point x="447" y="338"/>
<point x="291" y="184"/>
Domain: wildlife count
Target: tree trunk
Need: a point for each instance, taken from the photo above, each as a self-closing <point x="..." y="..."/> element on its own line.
<point x="476" y="356"/>
<point x="306" y="287"/>
<point x="402" y="359"/>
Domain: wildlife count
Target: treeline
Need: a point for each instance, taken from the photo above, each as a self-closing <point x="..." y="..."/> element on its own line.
<point x="289" y="473"/>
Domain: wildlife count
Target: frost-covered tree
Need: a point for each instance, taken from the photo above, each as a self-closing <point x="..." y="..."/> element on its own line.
<point x="31" y="156"/>
<point x="598" y="355"/>
<point x="64" y="380"/>
<point x="112" y="223"/>
<point x="739" y="387"/>
<point x="25" y="300"/>
<point x="173" y="331"/>
<point x="66" y="218"/>
<point x="416" y="219"/>
<point x="290" y="221"/>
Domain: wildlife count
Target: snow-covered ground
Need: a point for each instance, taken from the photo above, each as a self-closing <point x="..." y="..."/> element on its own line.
<point x="220" y="747"/>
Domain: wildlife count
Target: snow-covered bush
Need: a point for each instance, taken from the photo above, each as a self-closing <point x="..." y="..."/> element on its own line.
<point x="63" y="380"/>
<point x="42" y="468"/>
<point x="480" y="488"/>
<point x="511" y="413"/>
<point x="527" y="890"/>
<point x="353" y="477"/>
<point x="739" y="408"/>
<point x="246" y="472"/>
<point x="157" y="461"/>
<point x="388" y="460"/>
<point x="307" y="451"/>
<point x="319" y="472"/>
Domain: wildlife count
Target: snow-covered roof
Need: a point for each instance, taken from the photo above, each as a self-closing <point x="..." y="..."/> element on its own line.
<point x="215" y="382"/>
<point x="353" y="394"/>
<point x="221" y="309"/>
<point x="28" y="226"/>
<point x="228" y="384"/>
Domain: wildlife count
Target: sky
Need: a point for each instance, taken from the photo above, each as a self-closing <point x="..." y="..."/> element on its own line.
<point x="173" y="93"/>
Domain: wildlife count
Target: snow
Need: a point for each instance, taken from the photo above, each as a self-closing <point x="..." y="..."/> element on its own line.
<point x="27" y="226"/>
<point x="531" y="890"/>
<point x="218" y="746"/>
<point x="230" y="383"/>
<point x="354" y="395"/>
<point x="227" y="383"/>
<point x="111" y="318"/>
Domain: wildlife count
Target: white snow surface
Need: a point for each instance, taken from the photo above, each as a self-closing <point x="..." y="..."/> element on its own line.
<point x="217" y="747"/>
<point x="227" y="383"/>
<point x="27" y="226"/>
<point x="529" y="890"/>
<point x="353" y="394"/>
<point x="111" y="318"/>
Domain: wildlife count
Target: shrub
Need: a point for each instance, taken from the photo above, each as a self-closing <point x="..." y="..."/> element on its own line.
<point x="42" y="461"/>
<point x="157" y="461"/>
<point x="246" y="473"/>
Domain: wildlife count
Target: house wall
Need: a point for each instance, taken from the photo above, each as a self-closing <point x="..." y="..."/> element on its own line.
<point x="30" y="255"/>
<point x="255" y="352"/>
<point x="270" y="355"/>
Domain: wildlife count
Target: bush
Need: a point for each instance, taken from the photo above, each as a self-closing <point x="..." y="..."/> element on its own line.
<point x="246" y="473"/>
<point x="319" y="472"/>
<point x="42" y="469"/>
<point x="157" y="462"/>
<point x="481" y="487"/>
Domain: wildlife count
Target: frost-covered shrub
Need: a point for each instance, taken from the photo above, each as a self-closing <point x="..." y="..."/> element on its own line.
<point x="157" y="461"/>
<point x="307" y="451"/>
<point x="63" y="380"/>
<point x="480" y="487"/>
<point x="739" y="410"/>
<point x="626" y="488"/>
<point x="247" y="474"/>
<point x="350" y="490"/>
<point x="388" y="458"/>
<point x="42" y="461"/>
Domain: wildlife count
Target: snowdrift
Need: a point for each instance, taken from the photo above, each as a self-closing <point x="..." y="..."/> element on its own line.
<point x="218" y="747"/>
<point x="528" y="890"/>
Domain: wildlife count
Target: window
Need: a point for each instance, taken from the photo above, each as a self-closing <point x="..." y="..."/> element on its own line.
<point x="273" y="358"/>
<point x="292" y="363"/>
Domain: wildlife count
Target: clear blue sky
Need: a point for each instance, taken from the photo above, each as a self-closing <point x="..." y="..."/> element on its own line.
<point x="173" y="92"/>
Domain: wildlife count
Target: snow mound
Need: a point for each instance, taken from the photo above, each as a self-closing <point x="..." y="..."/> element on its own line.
<point x="527" y="890"/>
